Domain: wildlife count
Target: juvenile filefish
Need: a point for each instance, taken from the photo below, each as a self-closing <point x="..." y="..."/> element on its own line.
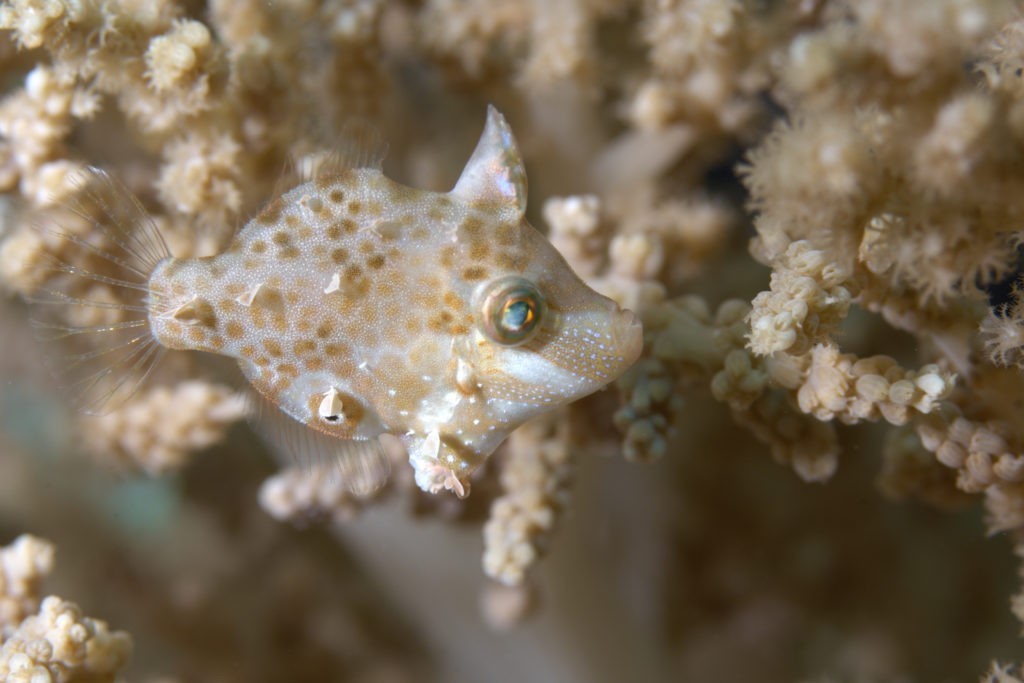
<point x="355" y="307"/>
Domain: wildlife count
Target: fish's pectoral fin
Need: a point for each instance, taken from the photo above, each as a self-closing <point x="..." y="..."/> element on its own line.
<point x="361" y="465"/>
<point x="494" y="175"/>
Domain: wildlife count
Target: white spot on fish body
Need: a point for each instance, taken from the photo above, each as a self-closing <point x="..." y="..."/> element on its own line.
<point x="334" y="285"/>
<point x="331" y="408"/>
<point x="248" y="296"/>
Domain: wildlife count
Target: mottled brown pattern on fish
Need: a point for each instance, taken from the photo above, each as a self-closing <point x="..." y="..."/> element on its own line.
<point x="474" y="273"/>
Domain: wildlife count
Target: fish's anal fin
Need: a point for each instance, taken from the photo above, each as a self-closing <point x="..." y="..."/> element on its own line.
<point x="494" y="176"/>
<point x="361" y="465"/>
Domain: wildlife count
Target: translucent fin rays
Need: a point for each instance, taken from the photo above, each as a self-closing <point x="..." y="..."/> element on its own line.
<point x="361" y="466"/>
<point x="93" y="307"/>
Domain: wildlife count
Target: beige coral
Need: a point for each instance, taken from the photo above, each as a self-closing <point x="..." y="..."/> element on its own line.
<point x="911" y="472"/>
<point x="684" y="344"/>
<point x="301" y="495"/>
<point x="36" y="22"/>
<point x="33" y="124"/>
<point x="61" y="645"/>
<point x="200" y="177"/>
<point x="160" y="428"/>
<point x="176" y="57"/>
<point x="807" y="445"/>
<point x="832" y="385"/>
<point x="535" y="481"/>
<point x="562" y="44"/>
<point x="979" y="451"/>
<point x="49" y="639"/>
<point x="573" y="224"/>
<point x="476" y="35"/>
<point x="809" y="296"/>
<point x="703" y="66"/>
<point x="23" y="565"/>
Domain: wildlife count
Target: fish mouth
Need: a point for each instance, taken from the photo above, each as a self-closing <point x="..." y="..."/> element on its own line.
<point x="628" y="335"/>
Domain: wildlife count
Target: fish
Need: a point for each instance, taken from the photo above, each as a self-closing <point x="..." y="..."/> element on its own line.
<point x="355" y="307"/>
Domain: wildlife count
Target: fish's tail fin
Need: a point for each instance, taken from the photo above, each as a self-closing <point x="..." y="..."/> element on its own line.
<point x="92" y="306"/>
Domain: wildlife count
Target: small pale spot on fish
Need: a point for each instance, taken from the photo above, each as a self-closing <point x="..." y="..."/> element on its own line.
<point x="334" y="285"/>
<point x="196" y="311"/>
<point x="464" y="377"/>
<point x="248" y="296"/>
<point x="313" y="203"/>
<point x="388" y="230"/>
<point x="331" y="408"/>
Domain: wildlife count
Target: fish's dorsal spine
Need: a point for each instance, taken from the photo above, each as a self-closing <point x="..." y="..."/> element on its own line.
<point x="494" y="177"/>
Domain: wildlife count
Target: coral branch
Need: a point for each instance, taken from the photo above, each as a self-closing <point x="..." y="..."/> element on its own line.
<point x="535" y="483"/>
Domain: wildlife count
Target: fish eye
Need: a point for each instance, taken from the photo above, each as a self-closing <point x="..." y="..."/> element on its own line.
<point x="512" y="311"/>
